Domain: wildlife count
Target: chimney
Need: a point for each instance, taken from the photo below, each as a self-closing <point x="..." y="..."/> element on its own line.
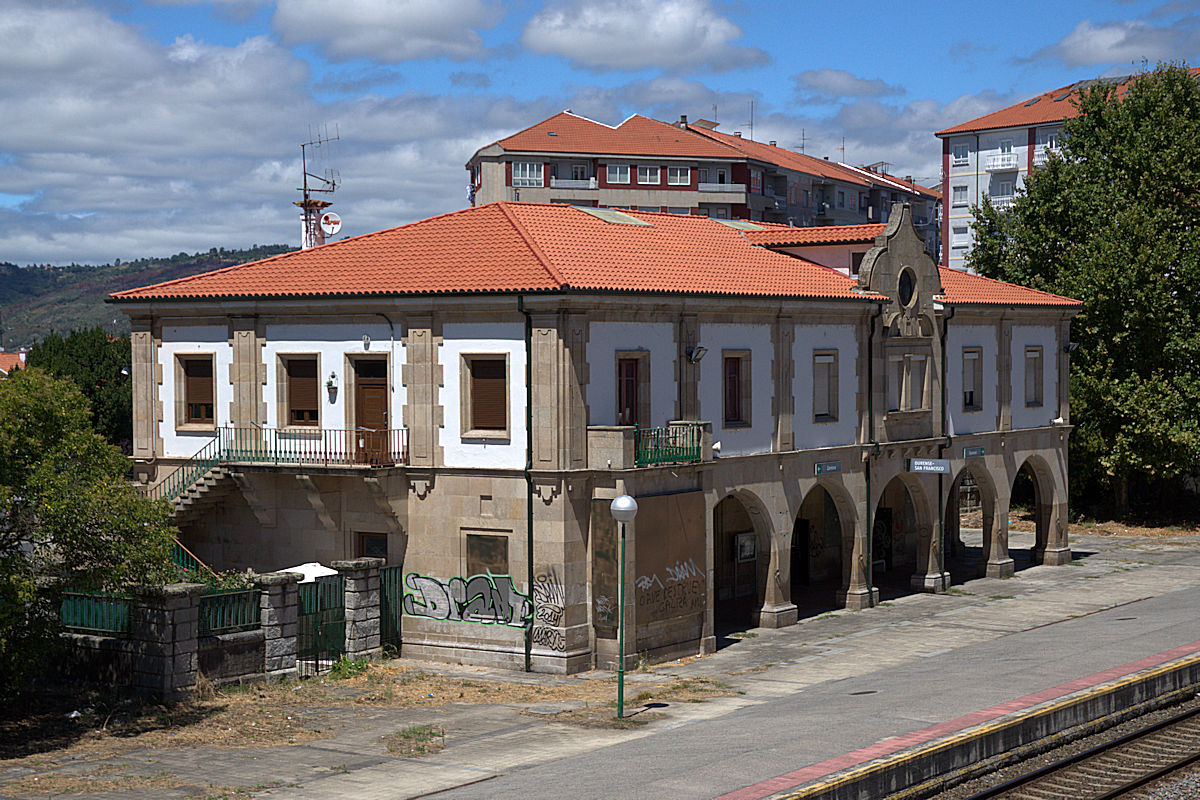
<point x="737" y="134"/>
<point x="311" y="234"/>
<point x="772" y="143"/>
<point x="908" y="178"/>
<point x="683" y="120"/>
<point x="826" y="158"/>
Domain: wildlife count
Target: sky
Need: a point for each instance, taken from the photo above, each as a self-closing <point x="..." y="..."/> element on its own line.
<point x="141" y="129"/>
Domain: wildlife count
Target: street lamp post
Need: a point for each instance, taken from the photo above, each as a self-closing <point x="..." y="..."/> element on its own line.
<point x="623" y="509"/>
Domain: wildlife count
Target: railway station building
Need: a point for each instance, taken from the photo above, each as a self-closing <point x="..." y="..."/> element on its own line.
<point x="793" y="409"/>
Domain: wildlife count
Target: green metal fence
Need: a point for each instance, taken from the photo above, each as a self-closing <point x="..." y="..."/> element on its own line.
<point x="95" y="612"/>
<point x="183" y="557"/>
<point x="321" y="628"/>
<point x="229" y="610"/>
<point x="667" y="445"/>
<point x="192" y="470"/>
<point x="391" y="605"/>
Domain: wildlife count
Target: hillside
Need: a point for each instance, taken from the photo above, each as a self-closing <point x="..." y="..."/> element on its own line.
<point x="40" y="299"/>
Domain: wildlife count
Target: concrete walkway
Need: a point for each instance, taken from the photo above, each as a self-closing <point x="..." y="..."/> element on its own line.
<point x="816" y="691"/>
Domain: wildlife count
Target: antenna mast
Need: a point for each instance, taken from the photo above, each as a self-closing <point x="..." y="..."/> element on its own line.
<point x="803" y="139"/>
<point x="311" y="217"/>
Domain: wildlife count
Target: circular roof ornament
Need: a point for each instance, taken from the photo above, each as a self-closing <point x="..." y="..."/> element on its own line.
<point x="331" y="223"/>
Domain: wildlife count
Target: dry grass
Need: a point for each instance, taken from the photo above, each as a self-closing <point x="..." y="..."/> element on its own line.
<point x="604" y="715"/>
<point x="105" y="778"/>
<point x="415" y="741"/>
<point x="1022" y="521"/>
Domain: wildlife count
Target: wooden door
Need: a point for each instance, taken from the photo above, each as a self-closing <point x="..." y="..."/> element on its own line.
<point x="627" y="391"/>
<point x="371" y="412"/>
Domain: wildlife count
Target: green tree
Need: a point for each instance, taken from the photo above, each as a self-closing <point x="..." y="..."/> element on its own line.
<point x="1114" y="220"/>
<point x="69" y="516"/>
<point x="99" y="363"/>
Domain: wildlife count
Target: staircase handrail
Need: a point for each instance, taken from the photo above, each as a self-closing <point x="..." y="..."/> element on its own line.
<point x="192" y="470"/>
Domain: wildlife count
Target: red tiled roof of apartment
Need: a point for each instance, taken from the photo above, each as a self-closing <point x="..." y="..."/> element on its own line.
<point x="10" y="362"/>
<point x="526" y="247"/>
<point x="823" y="235"/>
<point x="570" y="133"/>
<point x="1053" y="106"/>
<point x="782" y="156"/>
<point x="965" y="288"/>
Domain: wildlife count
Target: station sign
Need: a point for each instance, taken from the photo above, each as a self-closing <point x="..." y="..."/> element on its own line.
<point x="938" y="466"/>
<point x="828" y="467"/>
<point x="972" y="452"/>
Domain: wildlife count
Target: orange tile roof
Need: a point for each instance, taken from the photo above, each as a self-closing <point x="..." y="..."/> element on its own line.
<point x="10" y="361"/>
<point x="965" y="288"/>
<point x="569" y="133"/>
<point x="1053" y="106"/>
<point x="823" y="235"/>
<point x="524" y="247"/>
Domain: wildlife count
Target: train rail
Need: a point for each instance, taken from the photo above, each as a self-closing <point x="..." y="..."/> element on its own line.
<point x="1112" y="769"/>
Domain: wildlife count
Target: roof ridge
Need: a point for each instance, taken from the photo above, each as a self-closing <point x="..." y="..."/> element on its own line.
<point x="977" y="276"/>
<point x="542" y="258"/>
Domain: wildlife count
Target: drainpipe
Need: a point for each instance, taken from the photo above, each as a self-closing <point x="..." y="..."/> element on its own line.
<point x="874" y="447"/>
<point x="946" y="442"/>
<point x="528" y="474"/>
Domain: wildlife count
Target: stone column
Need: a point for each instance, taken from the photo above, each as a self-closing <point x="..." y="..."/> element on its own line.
<point x="783" y="401"/>
<point x="279" y="607"/>
<point x="145" y="390"/>
<point x="362" y="606"/>
<point x="422" y="377"/>
<point x="1004" y="376"/>
<point x="995" y="538"/>
<point x="164" y="626"/>
<point x="246" y="374"/>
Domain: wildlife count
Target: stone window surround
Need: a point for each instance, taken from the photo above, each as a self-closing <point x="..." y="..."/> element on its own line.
<point x="643" y="359"/>
<point x="466" y="420"/>
<point x="282" y="409"/>
<point x="745" y="386"/>
<point x="906" y="358"/>
<point x="973" y="354"/>
<point x="819" y="357"/>
<point x="181" y="423"/>
<point x="1033" y="353"/>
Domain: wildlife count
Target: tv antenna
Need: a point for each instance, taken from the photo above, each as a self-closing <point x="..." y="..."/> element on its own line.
<point x="803" y="140"/>
<point x="316" y="148"/>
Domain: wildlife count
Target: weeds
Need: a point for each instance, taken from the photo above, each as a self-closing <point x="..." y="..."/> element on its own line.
<point x="345" y="668"/>
<point x="416" y="740"/>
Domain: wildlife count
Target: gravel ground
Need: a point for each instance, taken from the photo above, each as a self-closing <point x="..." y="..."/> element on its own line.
<point x="1171" y="788"/>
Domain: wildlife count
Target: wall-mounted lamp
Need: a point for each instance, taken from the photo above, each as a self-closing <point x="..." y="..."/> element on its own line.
<point x="366" y="342"/>
<point x="694" y="354"/>
<point x="332" y="384"/>
<point x="1070" y="347"/>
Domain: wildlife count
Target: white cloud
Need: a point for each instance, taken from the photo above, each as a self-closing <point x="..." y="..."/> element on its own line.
<point x="674" y="35"/>
<point x="837" y="83"/>
<point x="387" y="30"/>
<point x="1123" y="42"/>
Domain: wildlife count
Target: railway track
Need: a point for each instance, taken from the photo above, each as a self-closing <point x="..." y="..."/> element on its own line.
<point x="1112" y="769"/>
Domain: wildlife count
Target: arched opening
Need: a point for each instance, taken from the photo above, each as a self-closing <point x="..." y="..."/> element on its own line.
<point x="818" y="551"/>
<point x="973" y="543"/>
<point x="1030" y="504"/>
<point x="902" y="548"/>
<point x="741" y="557"/>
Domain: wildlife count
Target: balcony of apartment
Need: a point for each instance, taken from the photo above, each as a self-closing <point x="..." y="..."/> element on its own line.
<point x="1042" y="155"/>
<point x="568" y="183"/>
<point x="1003" y="162"/>
<point x="722" y="187"/>
<point x="630" y="447"/>
<point x="1002" y="201"/>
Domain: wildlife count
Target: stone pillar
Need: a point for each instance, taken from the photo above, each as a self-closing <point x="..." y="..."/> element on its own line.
<point x="145" y="391"/>
<point x="422" y="377"/>
<point x="783" y="401"/>
<point x="247" y="374"/>
<point x="778" y="611"/>
<point x="279" y="607"/>
<point x="164" y="626"/>
<point x="995" y="538"/>
<point x="1004" y="376"/>
<point x="857" y="592"/>
<point x="362" y="606"/>
<point x="546" y="391"/>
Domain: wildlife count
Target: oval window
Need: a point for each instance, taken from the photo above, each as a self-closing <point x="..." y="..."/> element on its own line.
<point x="906" y="287"/>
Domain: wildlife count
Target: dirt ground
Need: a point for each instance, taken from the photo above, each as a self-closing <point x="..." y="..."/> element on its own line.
<point x="1022" y="520"/>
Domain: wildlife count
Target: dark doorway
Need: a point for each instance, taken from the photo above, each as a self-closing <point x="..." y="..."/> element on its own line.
<point x="371" y="412"/>
<point x="627" y="391"/>
<point x="800" y="548"/>
<point x="816" y="557"/>
<point x="882" y="554"/>
<point x="735" y="567"/>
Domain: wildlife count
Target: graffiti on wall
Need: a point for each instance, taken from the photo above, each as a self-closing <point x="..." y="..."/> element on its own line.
<point x="485" y="599"/>
<point x="682" y="591"/>
<point x="549" y="600"/>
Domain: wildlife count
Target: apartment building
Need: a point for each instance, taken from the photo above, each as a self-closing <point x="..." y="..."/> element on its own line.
<point x="688" y="168"/>
<point x="465" y="395"/>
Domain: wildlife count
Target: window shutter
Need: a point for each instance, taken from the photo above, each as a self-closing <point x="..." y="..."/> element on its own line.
<point x="198" y="391"/>
<point x="822" y="366"/>
<point x="302" y="391"/>
<point x="733" y="389"/>
<point x="489" y="402"/>
<point x="627" y="391"/>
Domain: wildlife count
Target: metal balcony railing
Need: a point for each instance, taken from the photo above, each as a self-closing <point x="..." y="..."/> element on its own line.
<point x="1002" y="162"/>
<point x="666" y="445"/>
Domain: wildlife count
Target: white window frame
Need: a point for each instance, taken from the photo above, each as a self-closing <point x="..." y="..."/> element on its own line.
<point x="579" y="172"/>
<point x="617" y="173"/>
<point x="530" y="174"/>
<point x="961" y="160"/>
<point x="825" y="386"/>
<point x="972" y="383"/>
<point x="1005" y="189"/>
<point x="1033" y="376"/>
<point x="648" y="175"/>
<point x="1006" y="146"/>
<point x="679" y="176"/>
<point x="958" y="195"/>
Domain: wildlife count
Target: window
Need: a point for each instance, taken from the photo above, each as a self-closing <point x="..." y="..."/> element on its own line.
<point x="1003" y="189"/>
<point x="679" y="176"/>
<point x="736" y="369"/>
<point x="633" y="388"/>
<point x="906" y="376"/>
<point x="825" y="386"/>
<point x="526" y="173"/>
<point x="485" y="396"/>
<point x="197" y="384"/>
<point x="841" y="199"/>
<point x="972" y="378"/>
<point x="579" y="172"/>
<point x="856" y="262"/>
<point x="303" y="401"/>
<point x="648" y="175"/>
<point x="1033" y="376"/>
<point x="487" y="554"/>
<point x="806" y="198"/>
<point x="1006" y="146"/>
<point x="678" y="210"/>
<point x="618" y="173"/>
<point x="895" y="376"/>
<point x="959" y="195"/>
<point x="916" y="382"/>
<point x="960" y="238"/>
<point x="852" y="200"/>
<point x="961" y="154"/>
<point x="722" y="176"/>
<point x="372" y="545"/>
<point x="1052" y="141"/>
<point x="755" y="181"/>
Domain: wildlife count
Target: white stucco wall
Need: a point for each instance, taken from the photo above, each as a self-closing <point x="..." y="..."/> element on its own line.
<point x="184" y="339"/>
<point x="824" y="337"/>
<point x="756" y="438"/>
<point x="1033" y="335"/>
<point x="497" y="338"/>
<point x="604" y="340"/>
<point x="964" y="336"/>
<point x="332" y="343"/>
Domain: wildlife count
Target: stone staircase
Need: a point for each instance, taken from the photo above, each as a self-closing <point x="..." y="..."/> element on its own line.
<point x="199" y="496"/>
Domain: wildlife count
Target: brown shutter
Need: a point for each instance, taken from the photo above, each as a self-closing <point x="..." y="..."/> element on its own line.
<point x="627" y="391"/>
<point x="302" y="391"/>
<point x="198" y="391"/>
<point x="489" y="400"/>
<point x="733" y="389"/>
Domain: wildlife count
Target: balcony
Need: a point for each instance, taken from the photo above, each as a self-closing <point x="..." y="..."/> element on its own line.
<point x="1002" y="162"/>
<point x="627" y="447"/>
<point x="722" y="187"/>
<point x="563" y="183"/>
<point x="1002" y="202"/>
